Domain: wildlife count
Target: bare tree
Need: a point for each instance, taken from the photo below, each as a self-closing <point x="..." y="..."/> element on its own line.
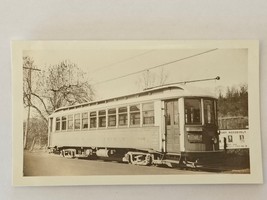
<point x="150" y="79"/>
<point x="63" y="85"/>
<point x="59" y="85"/>
<point x="162" y="77"/>
<point x="28" y="67"/>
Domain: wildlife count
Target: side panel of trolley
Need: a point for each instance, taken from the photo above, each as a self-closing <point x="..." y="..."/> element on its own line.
<point x="138" y="138"/>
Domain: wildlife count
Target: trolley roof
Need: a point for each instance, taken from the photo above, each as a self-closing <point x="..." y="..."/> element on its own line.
<point x="162" y="92"/>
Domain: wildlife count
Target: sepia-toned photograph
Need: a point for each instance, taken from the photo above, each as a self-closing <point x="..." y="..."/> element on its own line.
<point x="135" y="112"/>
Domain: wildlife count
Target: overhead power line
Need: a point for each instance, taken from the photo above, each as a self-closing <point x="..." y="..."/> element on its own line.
<point x="157" y="66"/>
<point x="121" y="61"/>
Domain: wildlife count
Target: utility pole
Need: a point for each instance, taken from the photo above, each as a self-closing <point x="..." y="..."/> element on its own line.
<point x="29" y="102"/>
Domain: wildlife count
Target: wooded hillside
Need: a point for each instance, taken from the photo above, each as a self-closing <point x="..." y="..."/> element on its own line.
<point x="233" y="108"/>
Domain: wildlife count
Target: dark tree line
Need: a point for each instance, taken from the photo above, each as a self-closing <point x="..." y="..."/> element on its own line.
<point x="234" y="102"/>
<point x="37" y="133"/>
<point x="233" y="108"/>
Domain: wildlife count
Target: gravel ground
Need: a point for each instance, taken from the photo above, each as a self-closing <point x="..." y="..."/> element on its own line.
<point x="39" y="163"/>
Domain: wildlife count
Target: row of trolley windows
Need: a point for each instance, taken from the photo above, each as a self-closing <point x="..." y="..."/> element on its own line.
<point x="108" y="118"/>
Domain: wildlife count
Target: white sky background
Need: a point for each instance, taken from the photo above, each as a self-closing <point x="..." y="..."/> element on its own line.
<point x="103" y="64"/>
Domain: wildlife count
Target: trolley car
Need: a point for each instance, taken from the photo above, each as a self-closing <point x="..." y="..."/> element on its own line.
<point x="174" y="125"/>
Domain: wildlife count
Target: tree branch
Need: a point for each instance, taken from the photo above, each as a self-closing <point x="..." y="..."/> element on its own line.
<point x="42" y="103"/>
<point x="41" y="114"/>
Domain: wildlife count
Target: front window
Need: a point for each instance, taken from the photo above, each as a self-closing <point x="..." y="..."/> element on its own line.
<point x="209" y="113"/>
<point x="192" y="111"/>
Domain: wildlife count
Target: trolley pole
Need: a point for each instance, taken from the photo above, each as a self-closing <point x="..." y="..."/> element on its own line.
<point x="29" y="106"/>
<point x="185" y="82"/>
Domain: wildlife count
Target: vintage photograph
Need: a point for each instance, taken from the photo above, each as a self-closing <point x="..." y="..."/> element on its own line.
<point x="104" y="112"/>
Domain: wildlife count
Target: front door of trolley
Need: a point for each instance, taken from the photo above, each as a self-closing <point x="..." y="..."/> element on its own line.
<point x="172" y="126"/>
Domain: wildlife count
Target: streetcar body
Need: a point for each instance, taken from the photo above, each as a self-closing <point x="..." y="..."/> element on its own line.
<point x="174" y="123"/>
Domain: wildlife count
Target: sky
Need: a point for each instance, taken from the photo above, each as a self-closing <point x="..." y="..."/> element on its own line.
<point x="103" y="64"/>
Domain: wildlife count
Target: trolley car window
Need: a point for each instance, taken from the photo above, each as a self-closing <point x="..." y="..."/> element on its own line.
<point x="172" y="116"/>
<point x="209" y="114"/>
<point x="192" y="111"/>
<point x="77" y="121"/>
<point x="123" y="116"/>
<point x="168" y="112"/>
<point x="112" y="117"/>
<point x="148" y="113"/>
<point x="135" y="115"/>
<point x="93" y="120"/>
<point x="70" y="122"/>
<point x="85" y="120"/>
<point x="57" y="123"/>
<point x="102" y="118"/>
<point x="63" y="123"/>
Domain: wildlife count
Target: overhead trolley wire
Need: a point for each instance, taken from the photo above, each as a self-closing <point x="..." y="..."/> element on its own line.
<point x="157" y="66"/>
<point x="121" y="61"/>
